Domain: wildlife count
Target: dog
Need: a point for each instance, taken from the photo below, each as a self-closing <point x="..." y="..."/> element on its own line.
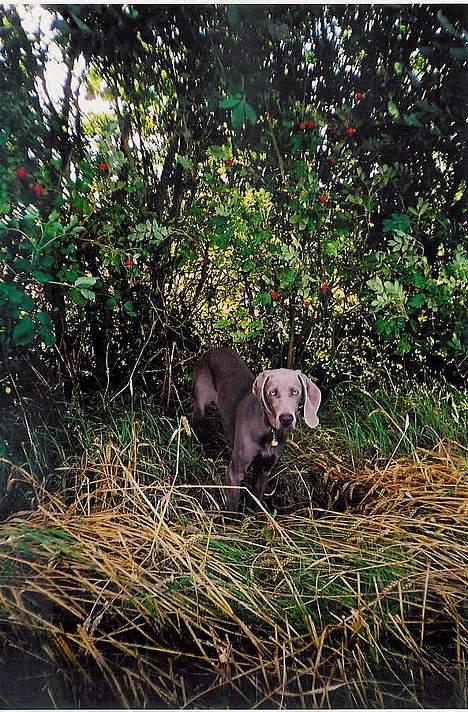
<point x="257" y="413"/>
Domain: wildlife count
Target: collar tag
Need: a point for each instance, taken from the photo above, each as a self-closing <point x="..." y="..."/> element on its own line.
<point x="274" y="441"/>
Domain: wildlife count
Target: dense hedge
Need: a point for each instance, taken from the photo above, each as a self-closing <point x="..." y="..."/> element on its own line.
<point x="286" y="178"/>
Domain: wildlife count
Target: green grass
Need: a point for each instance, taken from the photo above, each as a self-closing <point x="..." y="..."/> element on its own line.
<point x="128" y="546"/>
<point x="382" y="423"/>
<point x="360" y="424"/>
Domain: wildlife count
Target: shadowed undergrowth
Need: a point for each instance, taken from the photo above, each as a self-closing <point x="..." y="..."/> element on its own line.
<point x="128" y="568"/>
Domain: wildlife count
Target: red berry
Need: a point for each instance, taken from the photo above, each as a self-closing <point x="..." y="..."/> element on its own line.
<point x="324" y="288"/>
<point x="359" y="95"/>
<point x="350" y="131"/>
<point x="229" y="163"/>
<point x="38" y="189"/>
<point x="274" y="294"/>
<point x="21" y="172"/>
<point x="129" y="262"/>
<point x="103" y="167"/>
<point x="311" y="124"/>
<point x="323" y="199"/>
<point x="303" y="125"/>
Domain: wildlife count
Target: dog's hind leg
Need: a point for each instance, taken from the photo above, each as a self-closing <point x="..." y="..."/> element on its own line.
<point x="204" y="392"/>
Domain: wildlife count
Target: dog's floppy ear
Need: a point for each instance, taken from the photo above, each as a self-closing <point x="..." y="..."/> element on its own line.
<point x="312" y="398"/>
<point x="258" y="388"/>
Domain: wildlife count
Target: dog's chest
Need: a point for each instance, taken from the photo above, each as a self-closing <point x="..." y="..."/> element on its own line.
<point x="270" y="448"/>
<point x="268" y="452"/>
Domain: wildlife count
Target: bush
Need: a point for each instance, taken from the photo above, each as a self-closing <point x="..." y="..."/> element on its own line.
<point x="258" y="191"/>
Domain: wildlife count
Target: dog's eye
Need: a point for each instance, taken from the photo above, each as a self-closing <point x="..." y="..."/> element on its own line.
<point x="294" y="391"/>
<point x="274" y="392"/>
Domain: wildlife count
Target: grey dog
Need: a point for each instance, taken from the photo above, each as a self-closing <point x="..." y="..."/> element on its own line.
<point x="257" y="412"/>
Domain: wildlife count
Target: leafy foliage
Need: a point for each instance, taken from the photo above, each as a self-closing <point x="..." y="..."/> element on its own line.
<point x="246" y="178"/>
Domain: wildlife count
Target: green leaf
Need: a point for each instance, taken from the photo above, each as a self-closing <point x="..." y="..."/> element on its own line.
<point x="44" y="318"/>
<point x="185" y="162"/>
<point x="85" y="282"/>
<point x="63" y="26"/>
<point x="376" y="285"/>
<point x="54" y="216"/>
<point x="417" y="300"/>
<point x="88" y="294"/>
<point x="288" y="277"/>
<point x="47" y="336"/>
<point x="238" y="116"/>
<point x="23" y="331"/>
<point x="403" y="345"/>
<point x="22" y="263"/>
<point x="222" y="324"/>
<point x="218" y="152"/>
<point x="42" y="277"/>
<point x="76" y="296"/>
<point x="381" y="326"/>
<point x="111" y="302"/>
<point x="412" y="120"/>
<point x="393" y="110"/>
<point x="129" y="308"/>
<point x="230" y="102"/>
<point x="341" y="113"/>
<point x="26" y="303"/>
<point x="263" y="298"/>
<point x="296" y="141"/>
<point x="331" y="248"/>
<point x="397" y="221"/>
<point x="250" y="113"/>
<point x="46" y="261"/>
<point x="419" y="280"/>
<point x="211" y="102"/>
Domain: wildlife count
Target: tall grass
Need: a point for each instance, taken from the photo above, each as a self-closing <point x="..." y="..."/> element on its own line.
<point x="356" y="423"/>
<point x="387" y="421"/>
<point x="124" y="568"/>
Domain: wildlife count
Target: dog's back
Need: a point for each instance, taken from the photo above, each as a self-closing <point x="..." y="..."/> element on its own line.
<point x="222" y="378"/>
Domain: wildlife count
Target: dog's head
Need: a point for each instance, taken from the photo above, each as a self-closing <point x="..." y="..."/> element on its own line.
<point x="280" y="392"/>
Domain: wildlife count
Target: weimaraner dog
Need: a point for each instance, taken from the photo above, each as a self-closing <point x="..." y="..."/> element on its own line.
<point x="257" y="413"/>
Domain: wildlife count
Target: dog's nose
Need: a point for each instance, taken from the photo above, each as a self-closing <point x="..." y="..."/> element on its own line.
<point x="286" y="419"/>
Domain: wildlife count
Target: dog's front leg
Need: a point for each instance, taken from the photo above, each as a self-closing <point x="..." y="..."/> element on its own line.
<point x="235" y="475"/>
<point x="242" y="455"/>
<point x="261" y="482"/>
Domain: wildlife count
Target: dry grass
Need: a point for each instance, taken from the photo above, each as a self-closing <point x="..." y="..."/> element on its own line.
<point x="139" y="576"/>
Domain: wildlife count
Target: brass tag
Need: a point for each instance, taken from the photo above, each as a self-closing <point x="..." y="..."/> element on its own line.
<point x="274" y="441"/>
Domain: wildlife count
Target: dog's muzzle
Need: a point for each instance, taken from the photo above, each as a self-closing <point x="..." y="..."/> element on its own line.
<point x="286" y="420"/>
